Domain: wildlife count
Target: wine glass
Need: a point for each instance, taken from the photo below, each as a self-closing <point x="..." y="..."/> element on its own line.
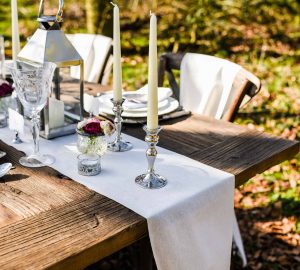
<point x="33" y="85"/>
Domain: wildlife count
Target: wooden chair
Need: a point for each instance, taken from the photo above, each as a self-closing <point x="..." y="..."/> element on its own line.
<point x="96" y="51"/>
<point x="245" y="85"/>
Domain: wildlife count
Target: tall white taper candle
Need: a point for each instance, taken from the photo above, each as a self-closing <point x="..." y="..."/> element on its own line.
<point x="15" y="29"/>
<point x="117" y="68"/>
<point x="152" y="115"/>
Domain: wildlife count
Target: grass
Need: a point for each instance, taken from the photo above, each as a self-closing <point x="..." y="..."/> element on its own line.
<point x="262" y="36"/>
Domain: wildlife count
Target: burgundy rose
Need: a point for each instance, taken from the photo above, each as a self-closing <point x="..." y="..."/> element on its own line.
<point x="5" y="88"/>
<point x="92" y="128"/>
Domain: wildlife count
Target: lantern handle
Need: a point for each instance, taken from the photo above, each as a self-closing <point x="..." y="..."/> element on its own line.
<point x="59" y="13"/>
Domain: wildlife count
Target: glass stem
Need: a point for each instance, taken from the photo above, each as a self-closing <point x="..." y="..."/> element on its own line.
<point x="35" y="120"/>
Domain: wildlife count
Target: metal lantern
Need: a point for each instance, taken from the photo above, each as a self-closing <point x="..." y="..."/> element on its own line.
<point x="49" y="44"/>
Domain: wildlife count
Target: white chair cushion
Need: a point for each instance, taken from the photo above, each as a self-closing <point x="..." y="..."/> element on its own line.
<point x="210" y="84"/>
<point x="93" y="50"/>
<point x="101" y="47"/>
<point x="205" y="83"/>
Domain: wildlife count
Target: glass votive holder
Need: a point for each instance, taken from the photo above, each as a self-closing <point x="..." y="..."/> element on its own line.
<point x="89" y="165"/>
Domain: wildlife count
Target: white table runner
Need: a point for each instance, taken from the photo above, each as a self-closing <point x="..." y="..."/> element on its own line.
<point x="190" y="220"/>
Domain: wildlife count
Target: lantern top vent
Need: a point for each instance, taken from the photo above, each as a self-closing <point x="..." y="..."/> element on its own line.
<point x="49" y="43"/>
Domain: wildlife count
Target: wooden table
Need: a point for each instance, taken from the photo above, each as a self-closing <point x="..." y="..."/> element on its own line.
<point x="47" y="221"/>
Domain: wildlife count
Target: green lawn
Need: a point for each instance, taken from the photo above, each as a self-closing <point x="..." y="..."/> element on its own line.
<point x="261" y="35"/>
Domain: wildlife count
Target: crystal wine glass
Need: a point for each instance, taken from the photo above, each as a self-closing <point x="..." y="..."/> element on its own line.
<point x="33" y="86"/>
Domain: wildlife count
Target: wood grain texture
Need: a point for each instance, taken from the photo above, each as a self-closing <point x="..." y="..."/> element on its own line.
<point x="47" y="221"/>
<point x="223" y="145"/>
<point x="50" y="222"/>
<point x="71" y="236"/>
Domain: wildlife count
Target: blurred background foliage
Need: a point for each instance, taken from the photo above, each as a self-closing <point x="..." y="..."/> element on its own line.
<point x="261" y="35"/>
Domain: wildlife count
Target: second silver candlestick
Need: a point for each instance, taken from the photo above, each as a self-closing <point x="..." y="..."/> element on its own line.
<point x="151" y="179"/>
<point x="118" y="145"/>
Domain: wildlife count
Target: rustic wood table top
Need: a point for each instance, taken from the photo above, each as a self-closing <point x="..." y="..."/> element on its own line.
<point x="48" y="221"/>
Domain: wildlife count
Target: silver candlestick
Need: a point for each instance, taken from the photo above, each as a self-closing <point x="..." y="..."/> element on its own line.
<point x="150" y="179"/>
<point x="118" y="145"/>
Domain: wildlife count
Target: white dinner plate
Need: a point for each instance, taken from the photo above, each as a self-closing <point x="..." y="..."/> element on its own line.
<point x="136" y="100"/>
<point x="161" y="104"/>
<point x="105" y="101"/>
<point x="170" y="105"/>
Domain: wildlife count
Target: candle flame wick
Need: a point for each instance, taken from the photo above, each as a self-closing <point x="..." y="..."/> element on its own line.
<point x="151" y="13"/>
<point x="113" y="4"/>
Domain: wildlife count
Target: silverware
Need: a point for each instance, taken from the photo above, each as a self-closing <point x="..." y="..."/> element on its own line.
<point x="2" y="154"/>
<point x="5" y="168"/>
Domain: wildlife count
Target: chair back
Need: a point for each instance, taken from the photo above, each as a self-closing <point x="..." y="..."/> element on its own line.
<point x="95" y="51"/>
<point x="209" y="85"/>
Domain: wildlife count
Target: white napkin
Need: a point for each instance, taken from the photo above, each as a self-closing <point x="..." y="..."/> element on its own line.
<point x="162" y="93"/>
<point x="93" y="49"/>
<point x="189" y="220"/>
<point x="205" y="83"/>
<point x="136" y="99"/>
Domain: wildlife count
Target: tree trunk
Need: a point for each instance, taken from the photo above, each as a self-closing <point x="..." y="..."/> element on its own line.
<point x="92" y="15"/>
<point x="99" y="17"/>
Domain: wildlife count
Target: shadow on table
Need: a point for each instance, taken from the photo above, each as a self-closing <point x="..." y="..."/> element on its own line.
<point x="225" y="146"/>
<point x="13" y="177"/>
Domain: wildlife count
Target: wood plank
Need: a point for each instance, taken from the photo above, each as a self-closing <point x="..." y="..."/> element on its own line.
<point x="247" y="154"/>
<point x="50" y="222"/>
<point x="56" y="223"/>
<point x="223" y="145"/>
<point x="26" y="192"/>
<point x="7" y="216"/>
<point x="187" y="135"/>
<point x="70" y="237"/>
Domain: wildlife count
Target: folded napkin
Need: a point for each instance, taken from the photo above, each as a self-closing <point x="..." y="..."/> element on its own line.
<point x="137" y="99"/>
<point x="205" y="83"/>
<point x="162" y="93"/>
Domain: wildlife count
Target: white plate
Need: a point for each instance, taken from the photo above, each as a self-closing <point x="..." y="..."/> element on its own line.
<point x="106" y="104"/>
<point x="136" y="100"/>
<point x="170" y="105"/>
<point x="161" y="104"/>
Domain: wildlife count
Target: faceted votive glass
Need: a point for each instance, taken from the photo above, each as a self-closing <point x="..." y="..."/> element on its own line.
<point x="89" y="164"/>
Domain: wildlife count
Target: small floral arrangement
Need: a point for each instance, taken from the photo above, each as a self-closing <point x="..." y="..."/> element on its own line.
<point x="91" y="135"/>
<point x="5" y="88"/>
<point x="95" y="126"/>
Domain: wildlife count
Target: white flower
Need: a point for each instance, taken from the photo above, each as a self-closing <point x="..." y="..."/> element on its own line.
<point x="92" y="145"/>
<point x="107" y="127"/>
<point x="81" y="124"/>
